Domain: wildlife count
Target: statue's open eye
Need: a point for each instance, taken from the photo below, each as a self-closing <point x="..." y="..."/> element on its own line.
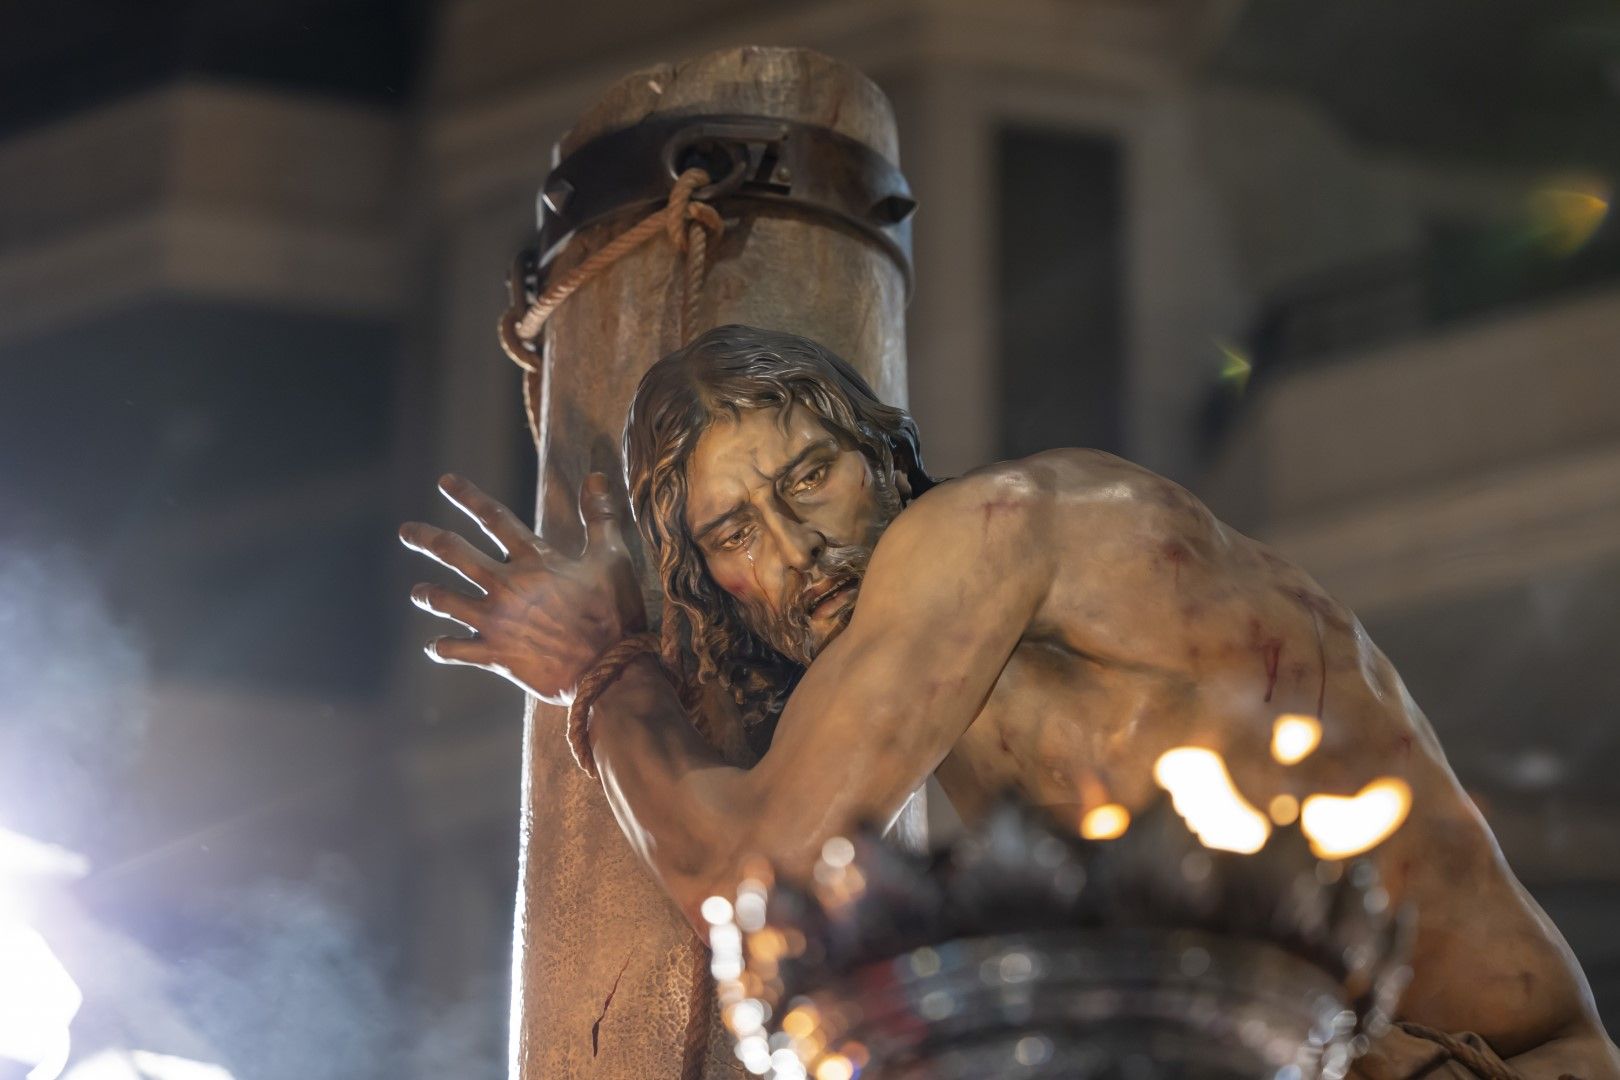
<point x="735" y="539"/>
<point x="811" y="480"/>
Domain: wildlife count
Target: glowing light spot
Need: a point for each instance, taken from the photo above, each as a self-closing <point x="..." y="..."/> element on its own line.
<point x="168" y="1067"/>
<point x="24" y="857"/>
<point x="925" y="962"/>
<point x="755" y="1054"/>
<point x="835" y="1067"/>
<point x="38" y="999"/>
<point x="716" y="911"/>
<point x="1203" y="794"/>
<point x="838" y="852"/>
<point x="1033" y="1050"/>
<point x="1565" y="214"/>
<point x="1105" y="822"/>
<point x="1293" y="737"/>
<point x="745" y="1017"/>
<point x="786" y="1065"/>
<point x="1340" y="826"/>
<point x="1235" y="366"/>
<point x="751" y="904"/>
<point x="800" y="1021"/>
<point x="1284" y="809"/>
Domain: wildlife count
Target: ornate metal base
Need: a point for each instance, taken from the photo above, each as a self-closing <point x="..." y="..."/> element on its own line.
<point x="1133" y="1004"/>
<point x="1023" y="952"/>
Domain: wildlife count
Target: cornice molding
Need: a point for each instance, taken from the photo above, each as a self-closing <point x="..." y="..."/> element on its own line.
<point x="180" y="191"/>
<point x="1490" y="531"/>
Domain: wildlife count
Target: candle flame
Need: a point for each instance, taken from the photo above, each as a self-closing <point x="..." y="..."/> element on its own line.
<point x="1293" y="737"/>
<point x="1203" y="794"/>
<point x="1340" y="826"/>
<point x="1105" y="822"/>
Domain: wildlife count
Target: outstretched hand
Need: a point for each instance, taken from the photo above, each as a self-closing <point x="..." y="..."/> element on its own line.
<point x="542" y="617"/>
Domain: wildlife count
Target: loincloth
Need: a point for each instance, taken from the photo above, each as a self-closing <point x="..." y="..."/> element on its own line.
<point x="1410" y="1051"/>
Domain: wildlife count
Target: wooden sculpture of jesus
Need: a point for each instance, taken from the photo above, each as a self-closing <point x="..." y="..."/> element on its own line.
<point x="1050" y="625"/>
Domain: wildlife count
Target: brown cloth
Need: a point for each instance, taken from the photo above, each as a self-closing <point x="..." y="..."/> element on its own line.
<point x="1409" y="1051"/>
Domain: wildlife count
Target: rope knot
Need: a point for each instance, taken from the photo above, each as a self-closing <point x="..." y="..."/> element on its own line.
<point x="682" y="211"/>
<point x="691" y="225"/>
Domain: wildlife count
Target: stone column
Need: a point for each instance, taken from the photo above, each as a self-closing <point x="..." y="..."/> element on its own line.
<point x="609" y="979"/>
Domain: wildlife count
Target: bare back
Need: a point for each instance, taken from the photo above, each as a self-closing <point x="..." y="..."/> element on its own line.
<point x="1163" y="628"/>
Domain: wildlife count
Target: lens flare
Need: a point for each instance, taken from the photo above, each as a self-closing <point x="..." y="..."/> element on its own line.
<point x="1203" y="794"/>
<point x="1293" y="737"/>
<point x="1236" y="367"/>
<point x="1566" y="213"/>
<point x="1105" y="822"/>
<point x="1340" y="826"/>
<point x="168" y="1067"/>
<point x="38" y="1000"/>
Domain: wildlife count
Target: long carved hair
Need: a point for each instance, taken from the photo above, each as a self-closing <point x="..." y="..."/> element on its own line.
<point x="721" y="373"/>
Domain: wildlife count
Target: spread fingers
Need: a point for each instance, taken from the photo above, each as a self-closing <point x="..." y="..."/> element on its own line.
<point x="446" y="603"/>
<point x="499" y="524"/>
<point x="451" y="551"/>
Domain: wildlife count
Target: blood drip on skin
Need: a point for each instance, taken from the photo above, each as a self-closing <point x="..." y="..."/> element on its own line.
<point x="1273" y="653"/>
<point x="1317" y="606"/>
<point x="1270" y="651"/>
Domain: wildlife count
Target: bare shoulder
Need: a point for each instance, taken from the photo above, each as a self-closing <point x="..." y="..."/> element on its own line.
<point x="1092" y="481"/>
<point x="1008" y="495"/>
<point x="1058" y="489"/>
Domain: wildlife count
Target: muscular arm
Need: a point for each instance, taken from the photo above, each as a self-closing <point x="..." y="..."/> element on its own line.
<point x="950" y="590"/>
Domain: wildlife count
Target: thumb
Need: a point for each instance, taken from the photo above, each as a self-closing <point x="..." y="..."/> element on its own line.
<point x="599" y="510"/>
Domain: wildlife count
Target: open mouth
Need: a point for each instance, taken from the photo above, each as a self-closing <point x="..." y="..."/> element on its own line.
<point x="828" y="599"/>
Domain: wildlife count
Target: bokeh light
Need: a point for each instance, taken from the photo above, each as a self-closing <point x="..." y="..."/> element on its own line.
<point x="1340" y="826"/>
<point x="1105" y="822"/>
<point x="1202" y="792"/>
<point x="1294" y="737"/>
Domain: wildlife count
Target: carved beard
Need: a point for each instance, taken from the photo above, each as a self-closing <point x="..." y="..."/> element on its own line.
<point x="786" y="628"/>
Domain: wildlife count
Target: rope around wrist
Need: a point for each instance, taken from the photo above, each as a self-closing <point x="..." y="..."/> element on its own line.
<point x="602" y="673"/>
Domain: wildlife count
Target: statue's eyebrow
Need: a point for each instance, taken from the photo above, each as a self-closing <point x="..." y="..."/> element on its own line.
<point x="721" y="518"/>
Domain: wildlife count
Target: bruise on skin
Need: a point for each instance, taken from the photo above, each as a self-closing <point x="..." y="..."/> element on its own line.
<point x="992" y="507"/>
<point x="1175" y="553"/>
<point x="596" y="1028"/>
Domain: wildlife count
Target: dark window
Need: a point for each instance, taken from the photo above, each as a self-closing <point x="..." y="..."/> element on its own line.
<point x="1060" y="271"/>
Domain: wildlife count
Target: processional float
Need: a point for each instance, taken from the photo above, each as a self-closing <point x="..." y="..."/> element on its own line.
<point x="762" y="186"/>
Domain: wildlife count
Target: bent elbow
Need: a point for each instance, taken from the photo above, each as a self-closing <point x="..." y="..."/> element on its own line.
<point x="709" y="858"/>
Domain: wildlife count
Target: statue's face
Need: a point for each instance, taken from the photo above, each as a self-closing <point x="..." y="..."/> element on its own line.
<point x="786" y="515"/>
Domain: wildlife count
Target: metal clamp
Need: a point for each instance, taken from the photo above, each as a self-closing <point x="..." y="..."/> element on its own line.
<point x="756" y="159"/>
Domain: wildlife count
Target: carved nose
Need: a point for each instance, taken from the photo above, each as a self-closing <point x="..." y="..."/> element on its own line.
<point x="801" y="546"/>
